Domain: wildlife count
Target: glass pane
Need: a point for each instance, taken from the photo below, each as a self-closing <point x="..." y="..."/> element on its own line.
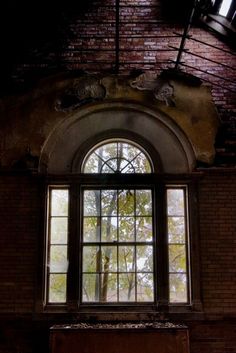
<point x="144" y="202"/>
<point x="141" y="164"/>
<point x="91" y="258"/>
<point x="117" y="157"/>
<point x="224" y="8"/>
<point x="175" y="202"/>
<point x="109" y="202"/>
<point x="91" y="229"/>
<point x="109" y="258"/>
<point x="134" y="161"/>
<point x="107" y="151"/>
<point x="177" y="258"/>
<point x="57" y="288"/>
<point x="110" y="166"/>
<point x="109" y="287"/>
<point x="145" y="287"/>
<point x="144" y="258"/>
<point x="107" y="158"/>
<point x="59" y="202"/>
<point x="176" y="229"/>
<point x="126" y="287"/>
<point x="109" y="229"/>
<point x="126" y="202"/>
<point x="127" y="167"/>
<point x="128" y="151"/>
<point x="92" y="164"/>
<point x="178" y="288"/>
<point x="126" y="259"/>
<point x="90" y="287"/>
<point x="144" y="229"/>
<point x="126" y="229"/>
<point x="92" y="203"/>
<point x="59" y="230"/>
<point x="58" y="258"/>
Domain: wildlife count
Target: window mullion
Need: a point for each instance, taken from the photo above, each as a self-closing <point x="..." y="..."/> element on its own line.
<point x="162" y="247"/>
<point x="194" y="275"/>
<point x="73" y="244"/>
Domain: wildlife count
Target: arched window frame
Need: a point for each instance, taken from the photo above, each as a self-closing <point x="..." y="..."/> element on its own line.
<point x="159" y="185"/>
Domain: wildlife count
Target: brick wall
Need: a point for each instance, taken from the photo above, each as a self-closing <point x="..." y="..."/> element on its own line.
<point x="217" y="200"/>
<point x="84" y="38"/>
<point x="45" y="40"/>
<point x="19" y="230"/>
<point x="22" y="331"/>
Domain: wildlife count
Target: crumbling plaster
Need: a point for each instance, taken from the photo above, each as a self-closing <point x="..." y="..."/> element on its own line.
<point x="28" y="120"/>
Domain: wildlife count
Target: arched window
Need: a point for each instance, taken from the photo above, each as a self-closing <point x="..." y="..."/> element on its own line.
<point x="123" y="231"/>
<point x="117" y="156"/>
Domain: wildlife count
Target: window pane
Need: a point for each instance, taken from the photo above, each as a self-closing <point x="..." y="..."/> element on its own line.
<point x="91" y="258"/>
<point x="109" y="202"/>
<point x="224" y="8"/>
<point x="57" y="245"/>
<point x="92" y="164"/>
<point x="126" y="229"/>
<point x="114" y="262"/>
<point x="109" y="258"/>
<point x="177" y="258"/>
<point x="144" y="258"/>
<point x="126" y="287"/>
<point x="176" y="229"/>
<point x="178" y="288"/>
<point x="109" y="166"/>
<point x="58" y="258"/>
<point x="109" y="287"/>
<point x="145" y="287"/>
<point x="59" y="202"/>
<point x="90" y="287"/>
<point x="175" y="201"/>
<point x="144" y="229"/>
<point x="126" y="202"/>
<point x="91" y="229"/>
<point x="57" y="288"/>
<point x="126" y="259"/>
<point x="59" y="230"/>
<point x="92" y="203"/>
<point x="144" y="202"/>
<point x="109" y="229"/>
<point x="177" y="245"/>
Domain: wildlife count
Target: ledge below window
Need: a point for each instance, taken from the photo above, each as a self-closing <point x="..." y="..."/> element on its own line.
<point x="146" y="337"/>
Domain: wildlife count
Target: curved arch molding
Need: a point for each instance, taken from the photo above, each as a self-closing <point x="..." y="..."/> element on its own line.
<point x="44" y="129"/>
<point x="62" y="147"/>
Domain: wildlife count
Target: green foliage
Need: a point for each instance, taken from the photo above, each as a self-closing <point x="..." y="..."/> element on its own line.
<point x="112" y="272"/>
<point x="57" y="288"/>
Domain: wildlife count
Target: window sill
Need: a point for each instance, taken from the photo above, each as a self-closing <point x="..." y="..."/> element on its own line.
<point x="121" y="313"/>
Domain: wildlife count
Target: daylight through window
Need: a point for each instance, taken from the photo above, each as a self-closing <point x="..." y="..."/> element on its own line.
<point x="129" y="235"/>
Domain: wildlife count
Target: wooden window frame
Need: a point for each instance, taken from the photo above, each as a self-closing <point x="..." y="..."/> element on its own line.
<point x="159" y="183"/>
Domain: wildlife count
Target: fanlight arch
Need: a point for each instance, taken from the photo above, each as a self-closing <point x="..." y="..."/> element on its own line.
<point x="117" y="156"/>
<point x="71" y="139"/>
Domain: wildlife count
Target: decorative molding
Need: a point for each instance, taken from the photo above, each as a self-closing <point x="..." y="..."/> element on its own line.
<point x="161" y="87"/>
<point x="82" y="91"/>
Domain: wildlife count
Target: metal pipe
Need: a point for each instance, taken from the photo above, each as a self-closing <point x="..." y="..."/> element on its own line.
<point x="207" y="44"/>
<point x="204" y="58"/>
<point x="185" y="33"/>
<point x="117" y="38"/>
<point x="208" y="73"/>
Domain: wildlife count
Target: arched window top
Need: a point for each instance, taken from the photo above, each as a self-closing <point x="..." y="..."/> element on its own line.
<point x="117" y="156"/>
